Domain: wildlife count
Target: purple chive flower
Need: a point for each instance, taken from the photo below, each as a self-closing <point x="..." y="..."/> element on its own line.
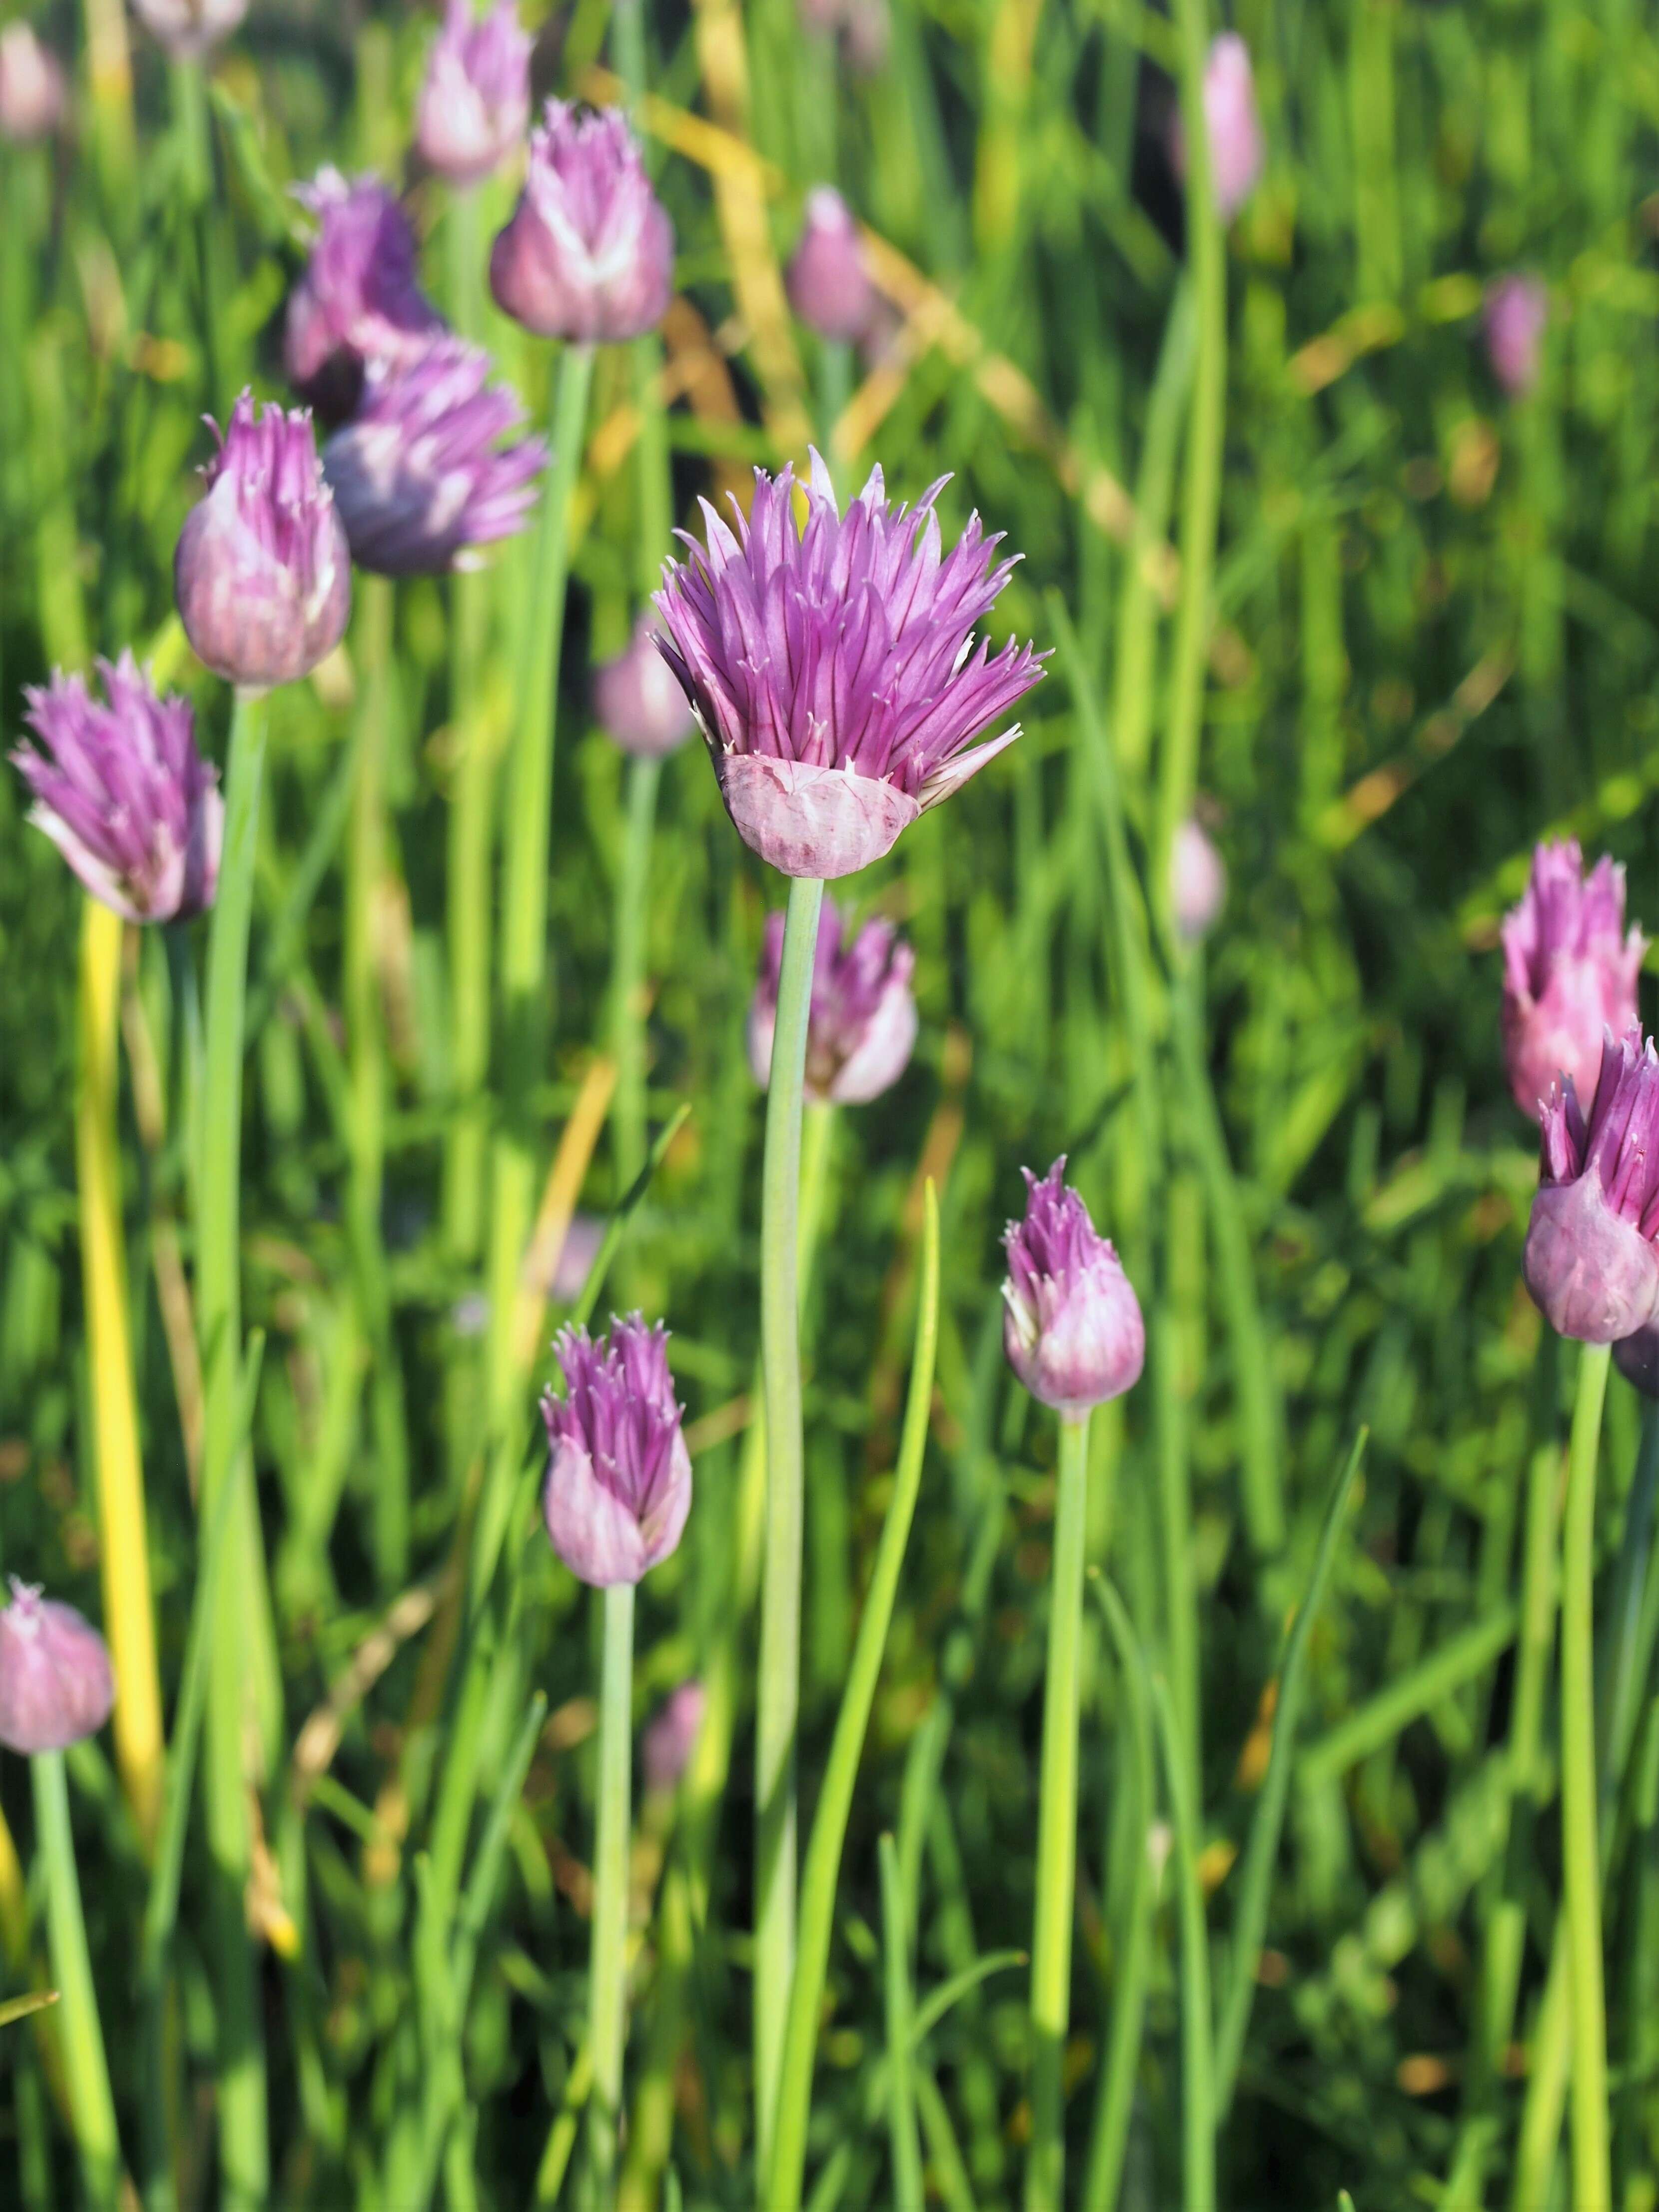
<point x="619" y="1478"/>
<point x="186" y="30"/>
<point x="1070" y="1325"/>
<point x="420" y="475"/>
<point x="122" y="792"/>
<point x="829" y="288"/>
<point x="31" y="88"/>
<point x="639" y="704"/>
<point x="55" y="1682"/>
<point x="1589" y="1260"/>
<point x="475" y="98"/>
<point x="672" y="1737"/>
<point x="1198" y="881"/>
<point x="263" y="572"/>
<point x="1516" y="311"/>
<point x="1570" y="973"/>
<point x="358" y="299"/>
<point x="832" y="672"/>
<point x="1235" y="130"/>
<point x="589" y="252"/>
<point x="861" y="1029"/>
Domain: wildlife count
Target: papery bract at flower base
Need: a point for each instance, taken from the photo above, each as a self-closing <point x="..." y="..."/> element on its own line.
<point x="121" y="792"/>
<point x="1072" y="1323"/>
<point x="420" y="475"/>
<point x="32" y="88"/>
<point x="618" y="1483"/>
<point x="1570" y="973"/>
<point x="358" y="299"/>
<point x="1515" y="317"/>
<point x="861" y="1027"/>
<point x="1590" y="1261"/>
<point x="639" y="702"/>
<point x="672" y="1736"/>
<point x="475" y="97"/>
<point x="588" y="254"/>
<point x="55" y="1686"/>
<point x="829" y="287"/>
<point x="263" y="572"/>
<point x="186" y="30"/>
<point x="832" y="670"/>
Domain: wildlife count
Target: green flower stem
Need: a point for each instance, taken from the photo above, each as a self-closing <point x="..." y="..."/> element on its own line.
<point x="779" y="1693"/>
<point x="834" y="389"/>
<point x="607" y="1987"/>
<point x="81" y="2040"/>
<point x="1056" y="1849"/>
<point x="628" y="969"/>
<point x="1197" y="2029"/>
<point x="906" y="2148"/>
<point x="1592" y="2175"/>
<point x="244" y="2155"/>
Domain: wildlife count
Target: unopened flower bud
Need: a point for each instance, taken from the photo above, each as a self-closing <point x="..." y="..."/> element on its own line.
<point x="828" y="284"/>
<point x="55" y="1682"/>
<point x="186" y="30"/>
<point x="588" y="254"/>
<point x="474" y="98"/>
<point x="671" y="1737"/>
<point x="32" y="89"/>
<point x="638" y="700"/>
<point x="1515" y="317"/>
<point x="1071" y="1324"/>
<point x="618" y="1483"/>
<point x="1233" y="126"/>
<point x="1570" y="973"/>
<point x="1198" y="881"/>
<point x="1589" y="1260"/>
<point x="861" y="1027"/>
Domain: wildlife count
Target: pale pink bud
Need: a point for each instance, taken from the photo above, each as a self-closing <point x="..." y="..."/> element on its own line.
<point x="32" y="89"/>
<point x="1237" y="153"/>
<point x="1198" y="881"/>
<point x="186" y="30"/>
<point x="589" y="252"/>
<point x="829" y="286"/>
<point x="638" y="700"/>
<point x="474" y="98"/>
<point x="1072" y="1325"/>
<point x="1516" y="315"/>
<point x="1570" y="973"/>
<point x="672" y="1737"/>
<point x="55" y="1682"/>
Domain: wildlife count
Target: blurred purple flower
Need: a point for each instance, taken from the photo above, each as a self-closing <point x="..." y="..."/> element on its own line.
<point x="1589" y="1260"/>
<point x="829" y="287"/>
<point x="357" y="300"/>
<point x="420" y="475"/>
<point x="861" y="1029"/>
<point x="1072" y="1325"/>
<point x="831" y="672"/>
<point x="31" y="88"/>
<point x="1570" y="973"/>
<point x="186" y="30"/>
<point x="122" y="792"/>
<point x="1237" y="153"/>
<point x="1636" y="1359"/>
<point x="639" y="704"/>
<point x="589" y="252"/>
<point x="863" y="28"/>
<point x="263" y="572"/>
<point x="55" y="1682"/>
<point x="1514" y="316"/>
<point x="475" y="97"/>
<point x="671" y="1737"/>
<point x="619" y="1478"/>
<point x="1198" y="881"/>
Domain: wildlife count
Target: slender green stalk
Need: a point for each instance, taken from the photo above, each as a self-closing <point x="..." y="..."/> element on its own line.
<point x="1180" y="1629"/>
<point x="607" y="1990"/>
<point x="244" y="2157"/>
<point x="1057" y="1848"/>
<point x="1547" y="2083"/>
<point x="1197" y="2101"/>
<point x="81" y="2038"/>
<point x="1461" y="1658"/>
<point x="834" y="389"/>
<point x="778" y="1692"/>
<point x="628" y="969"/>
<point x="1592" y="2173"/>
<point x="907" y="2182"/>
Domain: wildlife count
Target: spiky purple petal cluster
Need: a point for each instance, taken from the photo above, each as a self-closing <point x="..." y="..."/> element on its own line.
<point x="861" y="1029"/>
<point x="186" y="30"/>
<point x="263" y="573"/>
<point x="1072" y="1323"/>
<point x="589" y="252"/>
<point x="638" y="702"/>
<point x="55" y="1686"/>
<point x="1570" y="973"/>
<point x="420" y="474"/>
<point x="1590" y="1262"/>
<point x="619" y="1477"/>
<point x="475" y="97"/>
<point x="832" y="670"/>
<point x="358" y="299"/>
<point x="124" y="794"/>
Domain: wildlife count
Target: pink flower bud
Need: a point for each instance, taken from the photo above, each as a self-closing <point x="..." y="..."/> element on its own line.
<point x="1072" y="1325"/>
<point x="861" y="1029"/>
<point x="619" y="1477"/>
<point x="122" y="792"/>
<point x="672" y="1737"/>
<point x="1198" y="881"/>
<point x="1514" y="316"/>
<point x="829" y="287"/>
<point x="1590" y="1261"/>
<point x="55" y="1682"/>
<point x="186" y="30"/>
<point x="32" y="89"/>
<point x="475" y="99"/>
<point x="588" y="254"/>
<point x="358" y="300"/>
<point x="1237" y="154"/>
<point x="639" y="702"/>
<point x="583" y="1237"/>
<point x="1570" y="973"/>
<point x="263" y="573"/>
<point x="863" y="29"/>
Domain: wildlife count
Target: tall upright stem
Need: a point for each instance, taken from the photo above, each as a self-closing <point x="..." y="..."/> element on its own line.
<point x="607" y="1994"/>
<point x="778" y="1695"/>
<point x="1592" y="2173"/>
<point x="81" y="2038"/>
<point x="1056" y="1852"/>
<point x="244" y="2156"/>
<point x="627" y="970"/>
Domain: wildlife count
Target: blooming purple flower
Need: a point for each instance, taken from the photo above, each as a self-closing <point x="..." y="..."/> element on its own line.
<point x="832" y="671"/>
<point x="122" y="792"/>
<point x="1570" y="973"/>
<point x="1237" y="154"/>
<point x="475" y="98"/>
<point x="861" y="1028"/>
<point x="1516" y="311"/>
<point x="263" y="572"/>
<point x="1198" y="881"/>
<point x="619" y="1478"/>
<point x="638" y="702"/>
<point x="186" y="30"/>
<point x="357" y="300"/>
<point x="589" y="252"/>
<point x="828" y="284"/>
<point x="55" y="1682"/>
<point x="32" y="89"/>
<point x="1589" y="1260"/>
<point x="1070" y="1325"/>
<point x="420" y="475"/>
<point x="672" y="1736"/>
